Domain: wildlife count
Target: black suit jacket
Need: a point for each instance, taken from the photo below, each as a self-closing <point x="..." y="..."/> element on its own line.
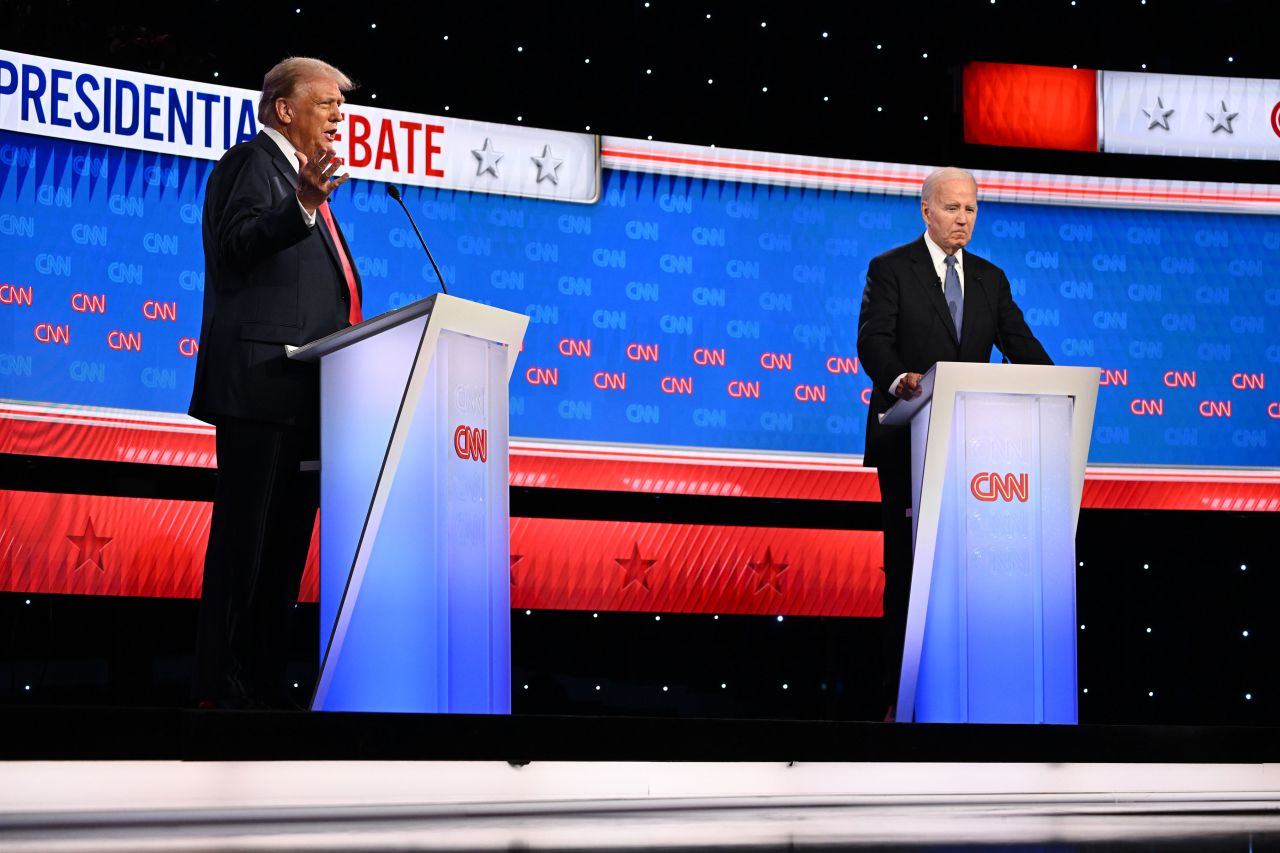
<point x="270" y="280"/>
<point x="905" y="327"/>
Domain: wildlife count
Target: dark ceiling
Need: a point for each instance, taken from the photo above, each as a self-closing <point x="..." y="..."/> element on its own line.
<point x="846" y="79"/>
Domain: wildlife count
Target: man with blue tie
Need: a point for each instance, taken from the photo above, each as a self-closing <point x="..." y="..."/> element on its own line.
<point x="925" y="302"/>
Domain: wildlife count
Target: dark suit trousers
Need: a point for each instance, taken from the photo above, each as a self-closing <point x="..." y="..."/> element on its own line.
<point x="895" y="501"/>
<point x="264" y="510"/>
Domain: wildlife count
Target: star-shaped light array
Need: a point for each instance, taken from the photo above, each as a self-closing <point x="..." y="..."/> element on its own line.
<point x="90" y="545"/>
<point x="1158" y="114"/>
<point x="488" y="158"/>
<point x="1222" y="119"/>
<point x="548" y="166"/>
<point x="637" y="569"/>
<point x="769" y="572"/>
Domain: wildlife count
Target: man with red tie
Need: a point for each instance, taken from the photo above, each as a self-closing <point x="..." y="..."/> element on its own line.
<point x="277" y="272"/>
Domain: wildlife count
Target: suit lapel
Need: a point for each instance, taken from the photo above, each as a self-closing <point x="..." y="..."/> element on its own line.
<point x="291" y="175"/>
<point x="927" y="278"/>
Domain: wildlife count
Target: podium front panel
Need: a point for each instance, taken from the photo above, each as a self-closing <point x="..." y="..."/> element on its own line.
<point x="999" y="639"/>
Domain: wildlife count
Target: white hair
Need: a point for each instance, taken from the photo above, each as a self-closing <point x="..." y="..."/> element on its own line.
<point x="941" y="176"/>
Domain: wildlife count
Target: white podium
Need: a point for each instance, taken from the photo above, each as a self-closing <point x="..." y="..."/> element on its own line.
<point x="414" y="518"/>
<point x="998" y="456"/>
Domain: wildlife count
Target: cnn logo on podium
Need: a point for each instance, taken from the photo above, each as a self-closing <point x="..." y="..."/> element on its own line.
<point x="471" y="443"/>
<point x="990" y="486"/>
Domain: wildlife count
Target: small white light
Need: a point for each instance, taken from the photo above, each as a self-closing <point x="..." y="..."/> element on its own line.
<point x="926" y="118"/>
<point x="784" y="685"/>
<point x="1244" y="633"/>
<point x="1080" y="564"/>
<point x="924" y="56"/>
<point x="526" y="687"/>
<point x="446" y="38"/>
<point x="1146" y="566"/>
<point x="1086" y="690"/>
<point x="588" y="127"/>
<point x="1074" y="66"/>
<point x="373" y="26"/>
<point x="646" y="5"/>
<point x="1082" y="627"/>
<point x="1231" y="59"/>
<point x="26" y="687"/>
<point x="528" y="613"/>
<point x="764" y="23"/>
<point x="651" y="136"/>
<point x="587" y="61"/>
<point x="825" y="98"/>
<point x="657" y="619"/>
<point x="215" y="74"/>
<point x="709" y="81"/>
<point x="779" y="617"/>
<point x="717" y="616"/>
<point x="519" y="118"/>
<point x="446" y="108"/>
<point x="824" y="35"/>
<point x="295" y="684"/>
<point x="595" y="615"/>
<point x="298" y="11"/>
<point x="723" y="685"/>
<point x="664" y="688"/>
<point x="520" y="49"/>
<point x="1144" y="65"/>
<point x="374" y="96"/>
<point x="1248" y="697"/>
<point x="764" y="88"/>
<point x="1148" y="630"/>
<point x="597" y="687"/>
<point x="879" y="109"/>
<point x="708" y="16"/>
<point x="28" y="601"/>
<point x="1243" y="567"/>
<point x="879" y="46"/>
<point x="1151" y="693"/>
<point x="648" y="71"/>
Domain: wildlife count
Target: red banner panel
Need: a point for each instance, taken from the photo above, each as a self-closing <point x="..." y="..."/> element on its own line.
<point x="1030" y="106"/>
<point x="684" y="568"/>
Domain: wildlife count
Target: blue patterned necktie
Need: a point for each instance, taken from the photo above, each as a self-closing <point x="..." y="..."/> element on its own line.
<point x="951" y="290"/>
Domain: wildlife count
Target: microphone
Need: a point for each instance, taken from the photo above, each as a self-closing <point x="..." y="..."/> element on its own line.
<point x="1004" y="357"/>
<point x="394" y="192"/>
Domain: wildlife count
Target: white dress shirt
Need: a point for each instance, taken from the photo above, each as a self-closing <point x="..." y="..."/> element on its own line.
<point x="290" y="154"/>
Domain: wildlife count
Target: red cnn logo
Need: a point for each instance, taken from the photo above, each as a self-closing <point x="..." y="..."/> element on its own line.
<point x="988" y="486"/>
<point x="471" y="443"/>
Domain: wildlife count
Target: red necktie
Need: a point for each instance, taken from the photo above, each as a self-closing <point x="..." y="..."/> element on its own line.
<point x="327" y="216"/>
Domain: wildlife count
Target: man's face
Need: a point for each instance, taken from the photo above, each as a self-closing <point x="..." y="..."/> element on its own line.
<point x="950" y="214"/>
<point x="309" y="118"/>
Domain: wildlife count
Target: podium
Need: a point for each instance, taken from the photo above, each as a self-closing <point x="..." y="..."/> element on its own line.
<point x="998" y="456"/>
<point x="414" y="517"/>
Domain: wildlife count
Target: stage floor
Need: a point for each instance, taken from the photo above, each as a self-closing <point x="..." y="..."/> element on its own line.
<point x="165" y="779"/>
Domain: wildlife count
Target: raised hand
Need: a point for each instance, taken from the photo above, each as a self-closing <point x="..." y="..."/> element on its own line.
<point x="316" y="178"/>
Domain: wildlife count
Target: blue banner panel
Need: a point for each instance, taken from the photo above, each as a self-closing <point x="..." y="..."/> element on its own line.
<point x="676" y="311"/>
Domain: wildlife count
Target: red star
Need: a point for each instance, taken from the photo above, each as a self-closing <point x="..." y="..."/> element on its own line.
<point x="637" y="568"/>
<point x="90" y="545"/>
<point x="515" y="558"/>
<point x="770" y="572"/>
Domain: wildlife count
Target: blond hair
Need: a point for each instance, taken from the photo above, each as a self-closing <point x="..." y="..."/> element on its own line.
<point x="283" y="80"/>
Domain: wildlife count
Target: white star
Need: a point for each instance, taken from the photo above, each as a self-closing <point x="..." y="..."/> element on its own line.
<point x="1222" y="120"/>
<point x="488" y="158"/>
<point x="1159" y="115"/>
<point x="547" y="166"/>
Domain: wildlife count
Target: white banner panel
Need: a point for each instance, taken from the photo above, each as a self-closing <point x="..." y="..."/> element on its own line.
<point x="88" y="103"/>
<point x="1186" y="116"/>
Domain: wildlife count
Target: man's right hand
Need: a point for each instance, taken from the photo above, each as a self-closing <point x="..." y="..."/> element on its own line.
<point x="315" y="178"/>
<point x="909" y="387"/>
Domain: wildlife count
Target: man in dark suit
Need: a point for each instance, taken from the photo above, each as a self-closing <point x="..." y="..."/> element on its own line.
<point x="925" y="302"/>
<point x="277" y="272"/>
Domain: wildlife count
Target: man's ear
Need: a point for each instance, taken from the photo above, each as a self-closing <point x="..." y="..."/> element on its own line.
<point x="284" y="112"/>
